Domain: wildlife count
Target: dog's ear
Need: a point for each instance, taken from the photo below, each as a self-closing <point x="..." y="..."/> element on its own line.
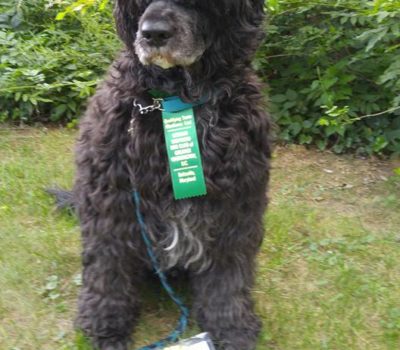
<point x="239" y="29"/>
<point x="256" y="10"/>
<point x="251" y="11"/>
<point x="258" y="6"/>
<point x="126" y="13"/>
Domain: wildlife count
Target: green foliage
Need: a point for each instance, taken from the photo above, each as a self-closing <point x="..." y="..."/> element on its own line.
<point x="333" y="70"/>
<point x="49" y="68"/>
<point x="332" y="67"/>
<point x="82" y="6"/>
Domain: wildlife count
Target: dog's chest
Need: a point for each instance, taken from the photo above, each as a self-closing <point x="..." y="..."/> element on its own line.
<point x="181" y="236"/>
<point x="177" y="228"/>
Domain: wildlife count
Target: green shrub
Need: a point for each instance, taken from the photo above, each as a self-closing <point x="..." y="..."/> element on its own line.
<point x="331" y="66"/>
<point x="49" y="68"/>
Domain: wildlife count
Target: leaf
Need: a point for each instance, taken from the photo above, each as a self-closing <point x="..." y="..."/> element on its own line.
<point x="329" y="82"/>
<point x="4" y="18"/>
<point x="341" y="130"/>
<point x="295" y="128"/>
<point x="78" y="7"/>
<point x="374" y="40"/>
<point x="330" y="130"/>
<point x="382" y="15"/>
<point x="16" y="20"/>
<point x="289" y="104"/>
<point x="379" y="144"/>
<point x="338" y="148"/>
<point x="321" y="144"/>
<point x="278" y="98"/>
<point x="46" y="100"/>
<point x="61" y="15"/>
<point x="307" y="124"/>
<point x="33" y="100"/>
<point x="315" y="84"/>
<point x="291" y="95"/>
<point x="58" y="111"/>
<point x="72" y="67"/>
<point x="391" y="73"/>
<point x="103" y="5"/>
<point x="305" y="139"/>
<point x="323" y="122"/>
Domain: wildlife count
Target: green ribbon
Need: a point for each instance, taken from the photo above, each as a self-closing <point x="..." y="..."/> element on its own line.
<point x="184" y="154"/>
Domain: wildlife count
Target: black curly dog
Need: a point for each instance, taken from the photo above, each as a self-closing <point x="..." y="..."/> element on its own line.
<point x="195" y="49"/>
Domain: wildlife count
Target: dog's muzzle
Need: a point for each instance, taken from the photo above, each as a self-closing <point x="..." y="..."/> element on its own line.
<point x="168" y="36"/>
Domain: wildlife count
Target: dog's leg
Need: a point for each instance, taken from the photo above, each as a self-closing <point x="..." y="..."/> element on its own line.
<point x="223" y="304"/>
<point x="109" y="299"/>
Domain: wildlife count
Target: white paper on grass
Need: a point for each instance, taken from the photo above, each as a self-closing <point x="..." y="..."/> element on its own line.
<point x="198" y="342"/>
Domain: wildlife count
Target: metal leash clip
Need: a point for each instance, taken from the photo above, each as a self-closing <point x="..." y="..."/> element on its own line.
<point x="155" y="106"/>
<point x="144" y="110"/>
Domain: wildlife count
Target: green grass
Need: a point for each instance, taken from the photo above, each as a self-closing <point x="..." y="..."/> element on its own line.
<point x="328" y="277"/>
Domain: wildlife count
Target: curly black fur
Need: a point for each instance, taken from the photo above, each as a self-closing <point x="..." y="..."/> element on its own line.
<point x="216" y="237"/>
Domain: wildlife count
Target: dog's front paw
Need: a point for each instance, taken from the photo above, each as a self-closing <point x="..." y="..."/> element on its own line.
<point x="110" y="344"/>
<point x="243" y="338"/>
<point x="238" y="340"/>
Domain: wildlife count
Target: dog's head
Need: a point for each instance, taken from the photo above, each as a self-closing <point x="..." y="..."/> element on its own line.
<point x="178" y="33"/>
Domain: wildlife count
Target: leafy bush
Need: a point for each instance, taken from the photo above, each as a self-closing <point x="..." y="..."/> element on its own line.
<point x="333" y="69"/>
<point x="49" y="68"/>
<point x="332" y="66"/>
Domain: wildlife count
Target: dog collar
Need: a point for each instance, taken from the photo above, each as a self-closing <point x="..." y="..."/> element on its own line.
<point x="163" y="102"/>
<point x="173" y="104"/>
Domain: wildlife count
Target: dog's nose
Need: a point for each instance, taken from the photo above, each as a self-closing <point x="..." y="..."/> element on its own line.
<point x="156" y="32"/>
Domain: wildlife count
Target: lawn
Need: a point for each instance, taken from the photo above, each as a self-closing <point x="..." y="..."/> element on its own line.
<point x="328" y="277"/>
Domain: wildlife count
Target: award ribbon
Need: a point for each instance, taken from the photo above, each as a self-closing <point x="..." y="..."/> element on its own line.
<point x="183" y="150"/>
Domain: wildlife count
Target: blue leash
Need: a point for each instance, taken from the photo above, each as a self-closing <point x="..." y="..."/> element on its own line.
<point x="183" y="319"/>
